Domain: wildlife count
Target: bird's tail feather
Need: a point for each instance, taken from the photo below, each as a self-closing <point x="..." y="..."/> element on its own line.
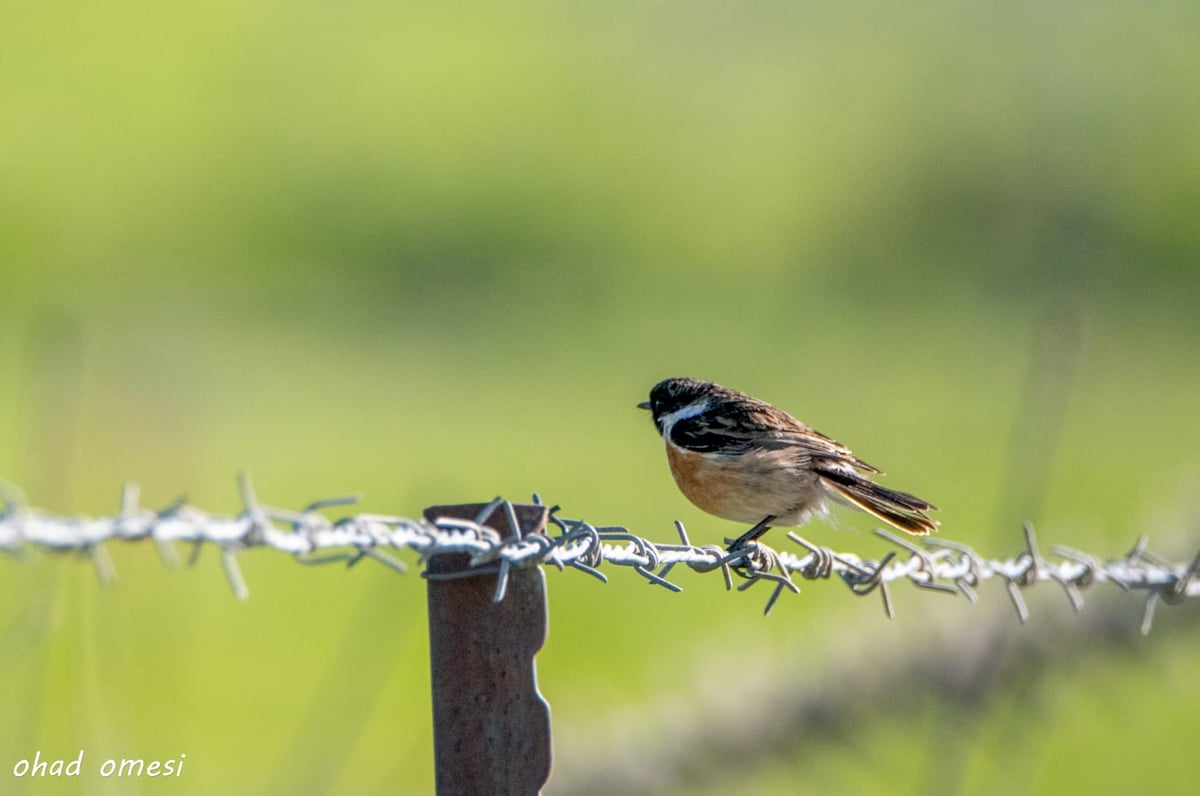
<point x="898" y="509"/>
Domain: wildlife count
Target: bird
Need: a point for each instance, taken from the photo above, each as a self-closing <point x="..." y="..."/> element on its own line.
<point x="741" y="459"/>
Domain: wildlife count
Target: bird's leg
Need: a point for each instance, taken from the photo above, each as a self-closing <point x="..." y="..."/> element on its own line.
<point x="752" y="535"/>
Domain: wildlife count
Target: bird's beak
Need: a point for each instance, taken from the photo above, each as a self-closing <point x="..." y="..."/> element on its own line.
<point x="644" y="405"/>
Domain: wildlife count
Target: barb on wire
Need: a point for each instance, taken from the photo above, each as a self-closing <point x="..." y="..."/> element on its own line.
<point x="939" y="565"/>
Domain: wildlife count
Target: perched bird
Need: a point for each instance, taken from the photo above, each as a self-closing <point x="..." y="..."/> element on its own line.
<point x="742" y="459"/>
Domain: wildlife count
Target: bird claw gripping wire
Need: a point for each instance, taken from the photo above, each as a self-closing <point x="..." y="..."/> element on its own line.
<point x="755" y="561"/>
<point x="750" y="559"/>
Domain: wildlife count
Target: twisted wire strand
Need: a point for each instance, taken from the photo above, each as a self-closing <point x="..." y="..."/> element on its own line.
<point x="312" y="538"/>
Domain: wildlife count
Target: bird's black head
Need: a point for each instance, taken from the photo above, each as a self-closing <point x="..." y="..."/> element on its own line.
<point x="671" y="395"/>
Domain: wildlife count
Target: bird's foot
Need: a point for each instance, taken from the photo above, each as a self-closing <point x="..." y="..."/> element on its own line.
<point x="751" y="536"/>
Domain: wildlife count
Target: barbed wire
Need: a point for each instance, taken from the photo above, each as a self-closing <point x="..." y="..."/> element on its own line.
<point x="939" y="565"/>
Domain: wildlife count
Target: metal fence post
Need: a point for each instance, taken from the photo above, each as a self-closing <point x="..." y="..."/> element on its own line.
<point x="491" y="727"/>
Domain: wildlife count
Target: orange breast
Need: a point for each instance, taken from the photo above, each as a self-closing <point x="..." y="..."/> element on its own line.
<point x="745" y="487"/>
<point x="710" y="486"/>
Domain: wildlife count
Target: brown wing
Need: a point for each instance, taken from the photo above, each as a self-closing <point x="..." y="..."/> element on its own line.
<point x="741" y="424"/>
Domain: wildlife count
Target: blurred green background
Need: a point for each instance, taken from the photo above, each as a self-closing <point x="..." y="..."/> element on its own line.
<point x="434" y="253"/>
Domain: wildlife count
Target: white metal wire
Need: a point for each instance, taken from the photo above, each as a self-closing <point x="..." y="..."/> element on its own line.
<point x="311" y="537"/>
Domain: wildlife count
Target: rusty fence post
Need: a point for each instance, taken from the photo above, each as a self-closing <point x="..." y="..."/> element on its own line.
<point x="491" y="727"/>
